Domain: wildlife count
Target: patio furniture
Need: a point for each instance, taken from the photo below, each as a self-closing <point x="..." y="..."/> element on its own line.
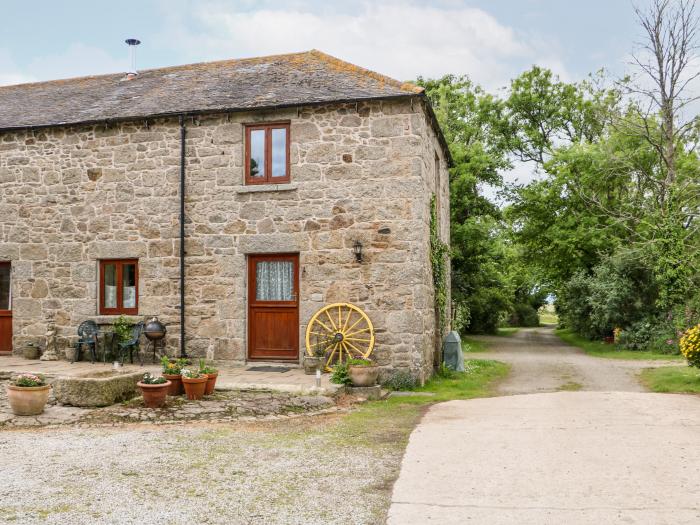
<point x="87" y="335"/>
<point x="132" y="344"/>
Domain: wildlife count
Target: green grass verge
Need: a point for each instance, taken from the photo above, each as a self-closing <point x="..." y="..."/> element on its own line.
<point x="676" y="379"/>
<point x="476" y="381"/>
<point x="471" y="345"/>
<point x="599" y="349"/>
<point x="507" y="331"/>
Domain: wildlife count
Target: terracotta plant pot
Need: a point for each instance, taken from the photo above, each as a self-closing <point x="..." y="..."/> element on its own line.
<point x="154" y="396"/>
<point x="176" y="388"/>
<point x="194" y="388"/>
<point x="211" y="382"/>
<point x="363" y="375"/>
<point x="27" y="400"/>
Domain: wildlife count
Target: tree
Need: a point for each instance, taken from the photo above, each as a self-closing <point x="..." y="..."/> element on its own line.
<point x="469" y="117"/>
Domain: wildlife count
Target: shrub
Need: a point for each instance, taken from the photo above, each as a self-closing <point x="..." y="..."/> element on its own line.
<point x="690" y="346"/>
<point x="524" y="315"/>
<point x="340" y="375"/>
<point x="400" y="380"/>
<point x="122" y="328"/>
<point x="649" y="334"/>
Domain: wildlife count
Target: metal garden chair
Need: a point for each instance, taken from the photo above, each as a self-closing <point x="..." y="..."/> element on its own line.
<point x="132" y="344"/>
<point x="87" y="335"/>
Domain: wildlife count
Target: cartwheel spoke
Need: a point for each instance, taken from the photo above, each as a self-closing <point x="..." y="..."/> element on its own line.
<point x="357" y="340"/>
<point x="330" y="331"/>
<point x="335" y="328"/>
<point x="357" y="349"/>
<point x="357" y="332"/>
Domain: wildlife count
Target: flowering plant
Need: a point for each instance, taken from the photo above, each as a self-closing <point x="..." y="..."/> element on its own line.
<point x="149" y="379"/>
<point x="172" y="366"/>
<point x="206" y="369"/>
<point x="690" y="345"/>
<point x="29" y="380"/>
<point x="191" y="373"/>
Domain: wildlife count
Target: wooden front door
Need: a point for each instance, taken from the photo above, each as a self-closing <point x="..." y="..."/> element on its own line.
<point x="273" y="307"/>
<point x="5" y="309"/>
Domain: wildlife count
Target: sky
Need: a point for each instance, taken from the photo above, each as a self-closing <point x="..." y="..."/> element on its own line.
<point x="490" y="41"/>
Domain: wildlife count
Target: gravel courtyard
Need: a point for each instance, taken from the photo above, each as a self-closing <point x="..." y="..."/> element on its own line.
<point x="323" y="469"/>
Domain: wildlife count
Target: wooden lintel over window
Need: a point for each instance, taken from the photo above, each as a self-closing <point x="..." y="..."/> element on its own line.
<point x="267" y="153"/>
<point x="119" y="286"/>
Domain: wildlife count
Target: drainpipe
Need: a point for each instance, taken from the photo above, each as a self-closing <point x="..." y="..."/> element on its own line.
<point x="183" y="133"/>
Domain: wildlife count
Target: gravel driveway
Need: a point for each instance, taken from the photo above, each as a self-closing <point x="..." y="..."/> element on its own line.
<point x="306" y="470"/>
<point x="541" y="362"/>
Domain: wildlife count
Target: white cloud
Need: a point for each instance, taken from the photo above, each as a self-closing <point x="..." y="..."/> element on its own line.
<point x="76" y="60"/>
<point x="400" y="40"/>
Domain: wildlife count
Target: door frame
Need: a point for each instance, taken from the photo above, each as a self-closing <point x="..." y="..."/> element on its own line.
<point x="252" y="302"/>
<point x="8" y="313"/>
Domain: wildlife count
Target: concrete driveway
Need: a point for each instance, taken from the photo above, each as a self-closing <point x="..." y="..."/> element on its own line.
<point x="589" y="457"/>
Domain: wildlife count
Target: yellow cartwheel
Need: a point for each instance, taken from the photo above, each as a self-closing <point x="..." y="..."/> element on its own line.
<point x="342" y="331"/>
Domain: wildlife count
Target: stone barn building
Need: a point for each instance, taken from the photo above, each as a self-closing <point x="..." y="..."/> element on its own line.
<point x="304" y="181"/>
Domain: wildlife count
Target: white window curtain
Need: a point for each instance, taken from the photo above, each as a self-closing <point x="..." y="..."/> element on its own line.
<point x="129" y="297"/>
<point x="274" y="280"/>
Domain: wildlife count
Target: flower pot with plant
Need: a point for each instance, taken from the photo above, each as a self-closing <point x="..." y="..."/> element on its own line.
<point x="28" y="394"/>
<point x="316" y="361"/>
<point x="172" y="371"/>
<point x="154" y="390"/>
<point x="195" y="383"/>
<point x="363" y="372"/>
<point x="211" y="373"/>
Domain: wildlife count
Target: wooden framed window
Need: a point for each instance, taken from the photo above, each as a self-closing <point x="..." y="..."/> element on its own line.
<point x="119" y="286"/>
<point x="267" y="153"/>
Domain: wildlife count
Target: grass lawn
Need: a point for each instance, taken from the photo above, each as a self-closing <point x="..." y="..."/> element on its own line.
<point x="548" y="318"/>
<point x="599" y="349"/>
<point x="470" y="345"/>
<point x="676" y="379"/>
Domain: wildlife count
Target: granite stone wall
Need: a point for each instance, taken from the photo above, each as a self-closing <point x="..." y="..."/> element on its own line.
<point x="70" y="196"/>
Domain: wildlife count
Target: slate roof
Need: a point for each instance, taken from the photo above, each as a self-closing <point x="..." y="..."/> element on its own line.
<point x="288" y="80"/>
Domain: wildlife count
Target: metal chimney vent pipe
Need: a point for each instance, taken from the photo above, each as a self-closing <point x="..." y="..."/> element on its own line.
<point x="132" y="43"/>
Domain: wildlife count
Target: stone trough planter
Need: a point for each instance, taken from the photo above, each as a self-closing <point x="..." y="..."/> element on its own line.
<point x="96" y="389"/>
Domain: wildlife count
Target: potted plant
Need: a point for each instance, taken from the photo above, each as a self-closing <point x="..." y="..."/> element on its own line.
<point x="28" y="394"/>
<point x="211" y="373"/>
<point x="363" y="372"/>
<point x="154" y="390"/>
<point x="194" y="382"/>
<point x="316" y="361"/>
<point x="172" y="371"/>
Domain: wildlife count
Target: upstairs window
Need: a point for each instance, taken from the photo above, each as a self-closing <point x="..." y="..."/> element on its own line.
<point x="119" y="287"/>
<point x="267" y="154"/>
